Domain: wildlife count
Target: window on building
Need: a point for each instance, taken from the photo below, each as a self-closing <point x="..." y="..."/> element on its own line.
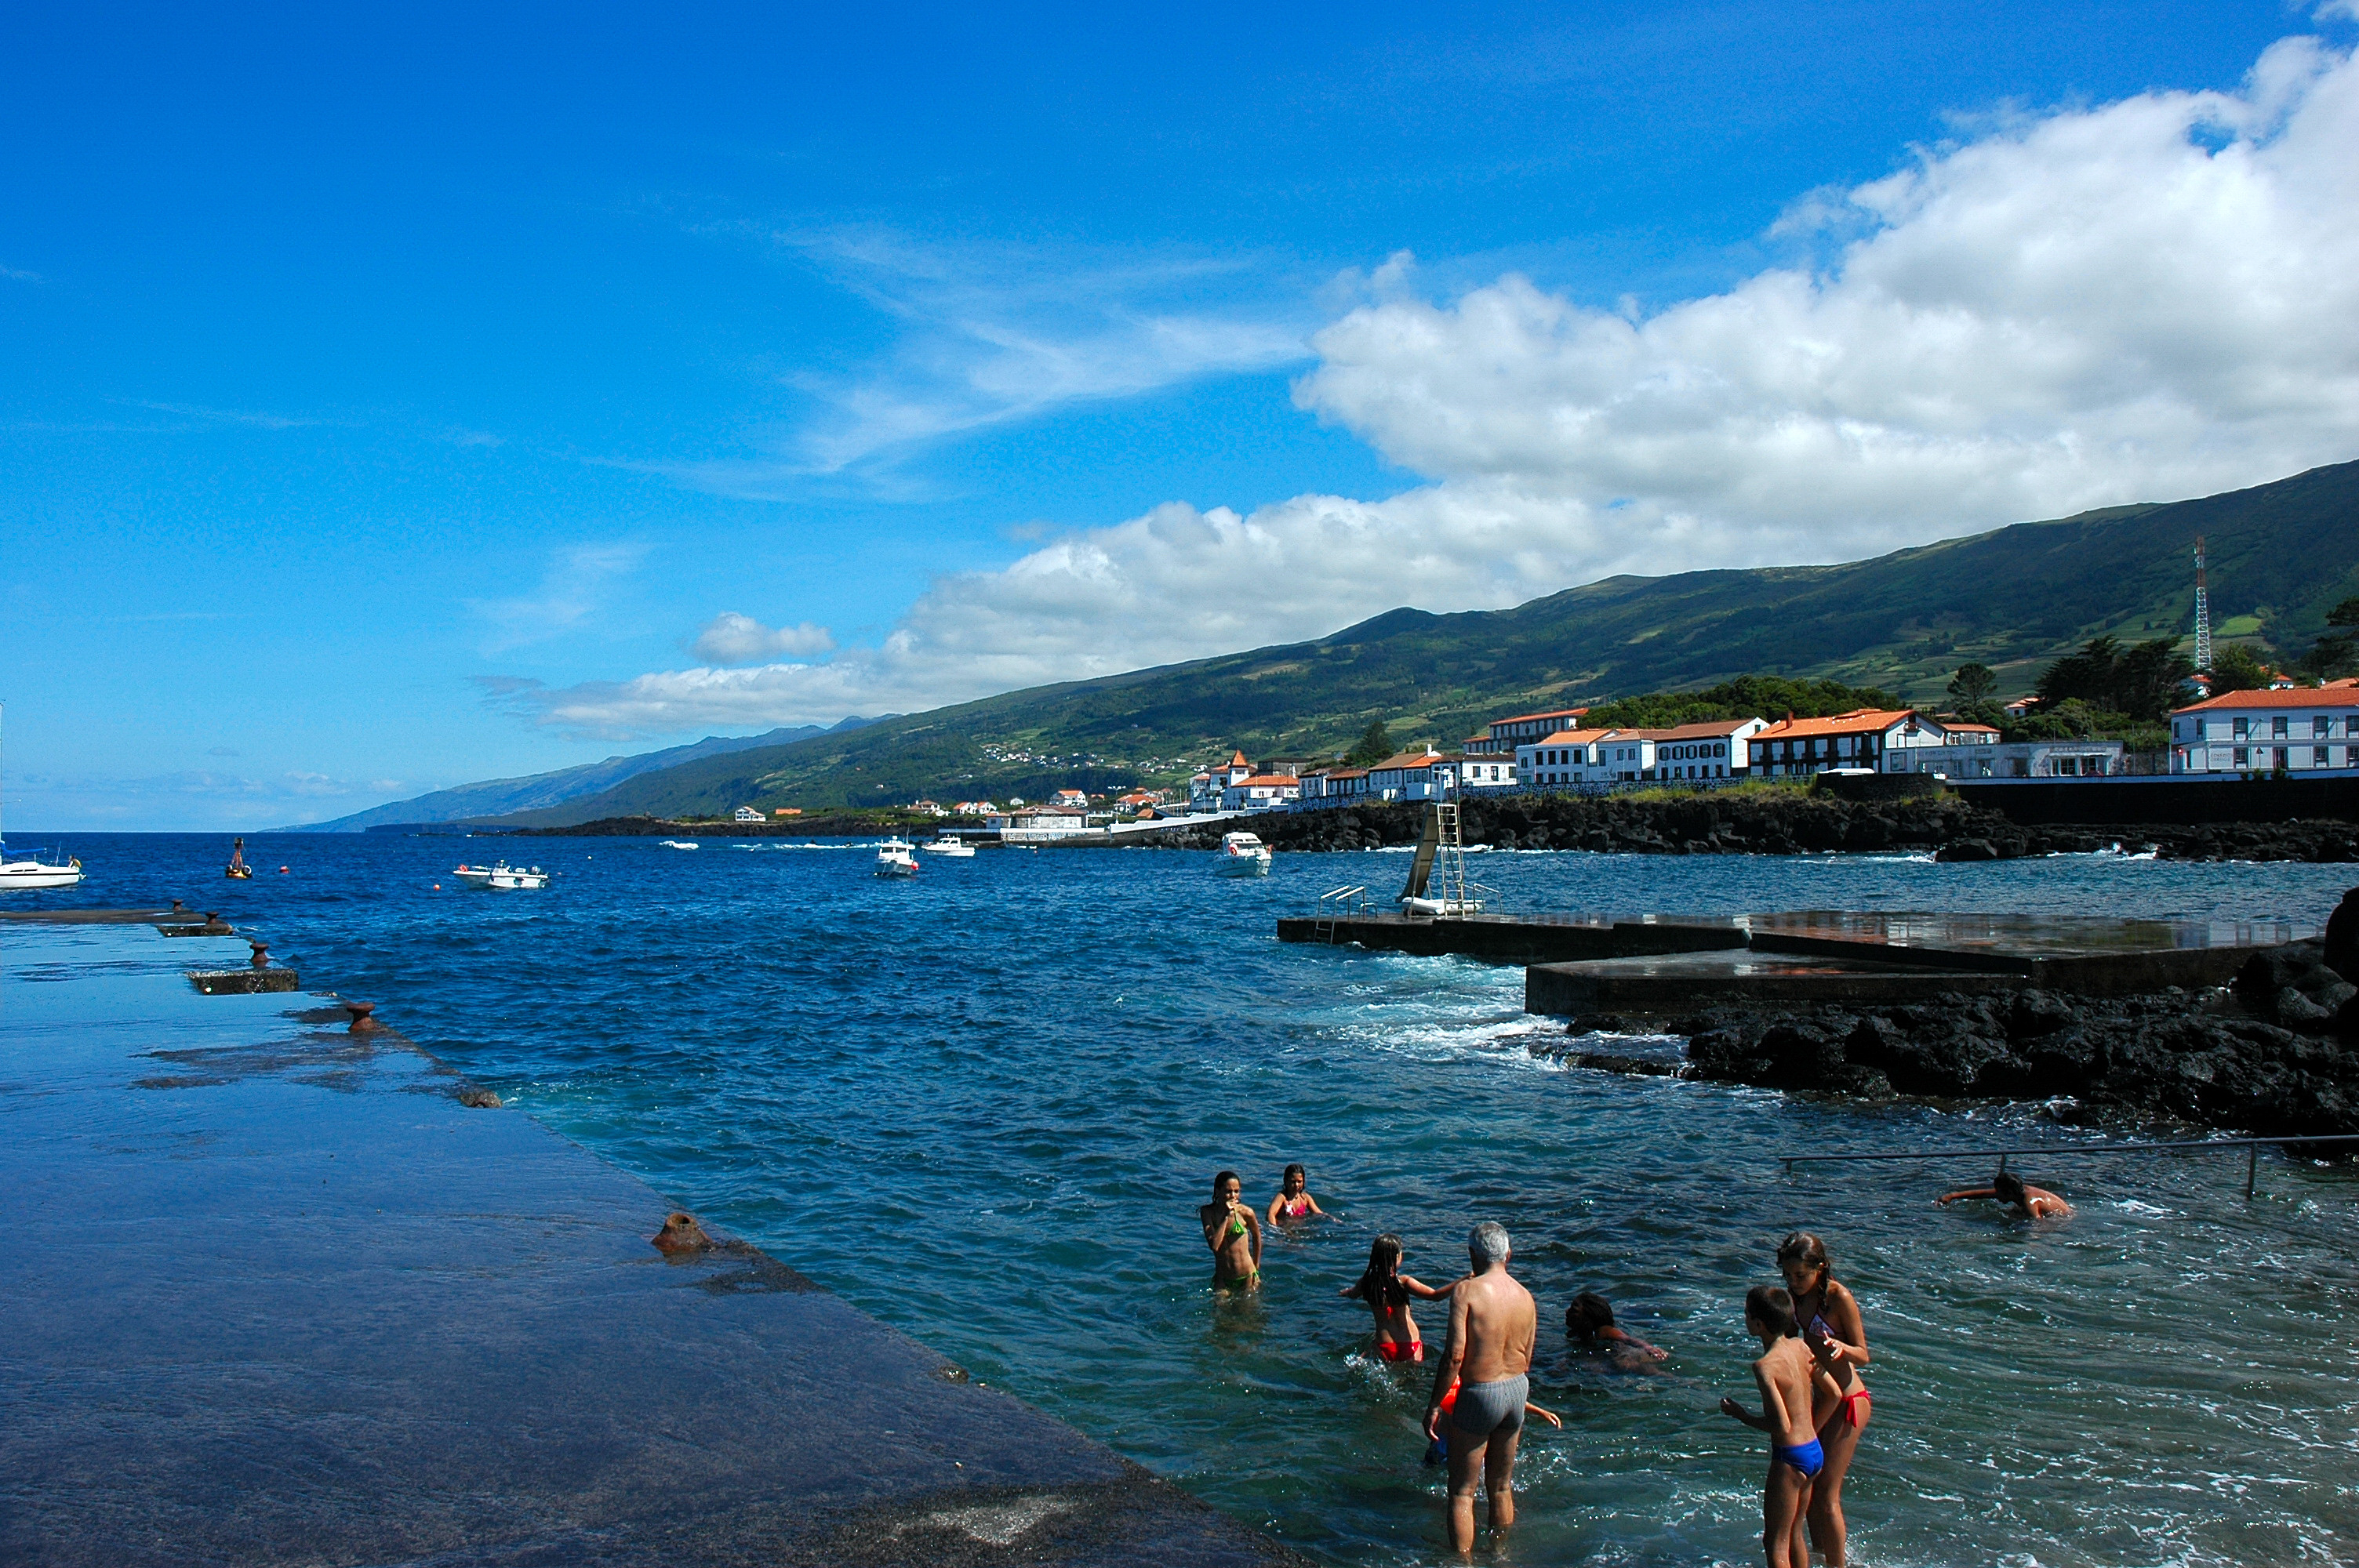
<point x="2321" y="727"/>
<point x="2351" y="756"/>
<point x="2244" y="755"/>
<point x="2351" y="725"/>
<point x="2242" y="728"/>
<point x="2278" y="728"/>
<point x="2278" y="758"/>
<point x="2318" y="756"/>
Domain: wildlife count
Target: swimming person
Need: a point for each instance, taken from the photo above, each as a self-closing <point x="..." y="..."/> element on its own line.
<point x="1827" y="1316"/>
<point x="1387" y="1291"/>
<point x="1493" y="1322"/>
<point x="1294" y="1200"/>
<point x="2033" y="1203"/>
<point x="1792" y="1388"/>
<point x="1233" y="1233"/>
<point x="1591" y="1318"/>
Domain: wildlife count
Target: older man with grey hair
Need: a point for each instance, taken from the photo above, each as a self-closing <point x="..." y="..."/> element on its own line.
<point x="1492" y="1325"/>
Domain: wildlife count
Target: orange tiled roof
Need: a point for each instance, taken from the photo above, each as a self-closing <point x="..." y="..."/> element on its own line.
<point x="1705" y="729"/>
<point x="1528" y="718"/>
<point x="1265" y="780"/>
<point x="1574" y="737"/>
<point x="2333" y="694"/>
<point x="1859" y="721"/>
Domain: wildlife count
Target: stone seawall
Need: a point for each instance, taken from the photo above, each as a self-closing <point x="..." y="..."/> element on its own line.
<point x="1779" y="822"/>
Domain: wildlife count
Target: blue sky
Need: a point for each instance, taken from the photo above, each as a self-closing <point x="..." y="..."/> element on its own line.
<point x="390" y="401"/>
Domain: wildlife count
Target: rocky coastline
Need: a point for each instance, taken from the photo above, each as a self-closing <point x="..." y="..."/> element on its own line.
<point x="1779" y="822"/>
<point x="2275" y="1053"/>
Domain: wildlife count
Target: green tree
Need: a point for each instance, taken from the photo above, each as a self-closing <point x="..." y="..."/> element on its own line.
<point x="1974" y="685"/>
<point x="2237" y="667"/>
<point x="2336" y="652"/>
<point x="1375" y="745"/>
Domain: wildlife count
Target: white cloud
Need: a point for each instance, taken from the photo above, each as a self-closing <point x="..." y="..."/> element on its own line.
<point x="2143" y="300"/>
<point x="573" y="588"/>
<point x="193" y="799"/>
<point x="991" y="335"/>
<point x="730" y="638"/>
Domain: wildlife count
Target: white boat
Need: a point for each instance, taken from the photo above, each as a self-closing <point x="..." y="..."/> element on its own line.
<point x="679" y="844"/>
<point x="27" y="872"/>
<point x="948" y="847"/>
<point x="502" y="877"/>
<point x="897" y="858"/>
<point x="1242" y="855"/>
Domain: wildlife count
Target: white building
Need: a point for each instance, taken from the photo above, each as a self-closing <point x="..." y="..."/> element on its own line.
<point x="1564" y="757"/>
<point x="1713" y="749"/>
<point x="1476" y="774"/>
<point x="1509" y="737"/>
<point x="1261" y="792"/>
<point x="1206" y="789"/>
<point x="2015" y="760"/>
<point x="1333" y="786"/>
<point x="2294" y="729"/>
<point x="1865" y="738"/>
<point x="747" y="813"/>
<point x="1414" y="775"/>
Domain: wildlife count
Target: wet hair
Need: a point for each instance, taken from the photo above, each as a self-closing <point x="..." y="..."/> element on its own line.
<point x="1587" y="1314"/>
<point x="1292" y="1171"/>
<point x="1802" y="1247"/>
<point x="1380" y="1285"/>
<point x="1771" y="1307"/>
<point x="1224" y="1178"/>
<point x="2009" y="1187"/>
<point x="1488" y="1241"/>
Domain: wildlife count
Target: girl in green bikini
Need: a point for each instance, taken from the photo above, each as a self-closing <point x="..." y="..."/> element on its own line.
<point x="1233" y="1233"/>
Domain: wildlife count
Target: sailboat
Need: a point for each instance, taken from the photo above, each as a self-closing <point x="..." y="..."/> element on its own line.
<point x="20" y="875"/>
<point x="1436" y="883"/>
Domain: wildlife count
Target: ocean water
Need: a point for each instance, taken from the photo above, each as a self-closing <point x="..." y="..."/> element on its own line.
<point x="984" y="1104"/>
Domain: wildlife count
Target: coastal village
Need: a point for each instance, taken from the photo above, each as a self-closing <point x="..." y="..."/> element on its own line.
<point x="2284" y="730"/>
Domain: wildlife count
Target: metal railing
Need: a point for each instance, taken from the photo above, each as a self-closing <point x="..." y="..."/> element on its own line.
<point x="1334" y="905"/>
<point x="2251" y="1146"/>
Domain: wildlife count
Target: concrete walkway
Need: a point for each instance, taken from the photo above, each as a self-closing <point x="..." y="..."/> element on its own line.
<point x="272" y="1294"/>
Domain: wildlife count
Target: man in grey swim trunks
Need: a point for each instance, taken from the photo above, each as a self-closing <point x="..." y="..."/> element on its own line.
<point x="1492" y="1325"/>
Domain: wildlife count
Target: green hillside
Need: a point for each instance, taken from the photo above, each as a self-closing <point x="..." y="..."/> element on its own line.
<point x="2281" y="554"/>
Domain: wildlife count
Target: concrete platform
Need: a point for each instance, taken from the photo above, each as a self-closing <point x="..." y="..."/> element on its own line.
<point x="2087" y="956"/>
<point x="273" y="1294"/>
<point x="1518" y="938"/>
<point x="1679" y="983"/>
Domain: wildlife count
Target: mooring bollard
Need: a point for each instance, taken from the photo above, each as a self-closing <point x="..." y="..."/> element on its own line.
<point x="261" y="952"/>
<point x="361" y="1022"/>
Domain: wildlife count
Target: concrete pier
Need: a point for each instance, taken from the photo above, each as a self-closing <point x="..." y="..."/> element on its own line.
<point x="1516" y="939"/>
<point x="274" y="1295"/>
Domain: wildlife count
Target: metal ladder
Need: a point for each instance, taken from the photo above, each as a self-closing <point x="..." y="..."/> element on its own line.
<point x="1335" y="905"/>
<point x="1450" y="857"/>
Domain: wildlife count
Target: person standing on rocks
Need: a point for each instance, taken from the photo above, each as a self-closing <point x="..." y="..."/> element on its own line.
<point x="2032" y="1203"/>
<point x="1827" y="1315"/>
<point x="1493" y="1322"/>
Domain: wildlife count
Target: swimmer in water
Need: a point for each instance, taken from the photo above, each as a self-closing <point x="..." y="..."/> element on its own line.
<point x="1233" y="1233"/>
<point x="1793" y="1390"/>
<point x="1590" y="1320"/>
<point x="1387" y="1293"/>
<point x="2032" y="1203"/>
<point x="1294" y="1200"/>
<point x="1836" y="1338"/>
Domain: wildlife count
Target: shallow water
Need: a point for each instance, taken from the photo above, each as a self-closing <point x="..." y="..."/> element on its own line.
<point x="982" y="1105"/>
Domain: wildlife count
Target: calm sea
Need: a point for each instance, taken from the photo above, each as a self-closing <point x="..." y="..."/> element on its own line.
<point x="983" y="1104"/>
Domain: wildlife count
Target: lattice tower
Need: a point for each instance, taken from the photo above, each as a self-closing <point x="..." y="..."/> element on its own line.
<point x="2202" y="617"/>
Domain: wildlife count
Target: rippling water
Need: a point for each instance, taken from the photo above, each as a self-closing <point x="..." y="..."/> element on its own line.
<point x="984" y="1105"/>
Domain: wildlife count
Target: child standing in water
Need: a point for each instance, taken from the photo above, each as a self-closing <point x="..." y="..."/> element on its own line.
<point x="1793" y="1393"/>
<point x="1294" y="1200"/>
<point x="1387" y="1293"/>
<point x="1233" y="1233"/>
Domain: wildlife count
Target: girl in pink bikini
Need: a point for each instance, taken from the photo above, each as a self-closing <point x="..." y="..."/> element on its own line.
<point x="1387" y="1293"/>
<point x="1294" y="1200"/>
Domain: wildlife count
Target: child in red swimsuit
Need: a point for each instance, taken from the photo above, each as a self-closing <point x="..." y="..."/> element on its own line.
<point x="1387" y="1293"/>
<point x="1294" y="1200"/>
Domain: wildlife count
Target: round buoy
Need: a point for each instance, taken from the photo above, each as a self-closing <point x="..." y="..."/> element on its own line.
<point x="282" y="871"/>
<point x="438" y="887"/>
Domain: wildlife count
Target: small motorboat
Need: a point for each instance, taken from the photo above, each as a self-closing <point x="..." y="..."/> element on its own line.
<point x="237" y="868"/>
<point x="502" y="877"/>
<point x="897" y="858"/>
<point x="1242" y="855"/>
<point x="679" y="844"/>
<point x="17" y="875"/>
<point x="948" y="846"/>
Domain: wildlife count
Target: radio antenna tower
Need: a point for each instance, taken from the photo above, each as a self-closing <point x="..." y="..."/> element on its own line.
<point x="2202" y="618"/>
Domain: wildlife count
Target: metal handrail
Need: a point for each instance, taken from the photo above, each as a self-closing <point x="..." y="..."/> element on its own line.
<point x="2252" y="1147"/>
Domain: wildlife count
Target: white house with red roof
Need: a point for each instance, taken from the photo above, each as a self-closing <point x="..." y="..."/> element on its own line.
<point x="1508" y="737"/>
<point x="2294" y="729"/>
<point x="1261" y="792"/>
<point x="1880" y="739"/>
<point x="1206" y="789"/>
<point x="1337" y="785"/>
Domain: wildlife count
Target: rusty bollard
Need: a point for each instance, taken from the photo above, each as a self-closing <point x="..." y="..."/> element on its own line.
<point x="261" y="952"/>
<point x="361" y="1022"/>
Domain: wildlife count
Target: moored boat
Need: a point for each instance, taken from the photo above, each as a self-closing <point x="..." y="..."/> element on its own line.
<point x="897" y="858"/>
<point x="948" y="847"/>
<point x="1244" y="855"/>
<point x="502" y="877"/>
<point x="27" y="872"/>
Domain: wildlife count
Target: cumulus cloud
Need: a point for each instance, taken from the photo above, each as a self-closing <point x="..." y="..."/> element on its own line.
<point x="2141" y="300"/>
<point x="730" y="638"/>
